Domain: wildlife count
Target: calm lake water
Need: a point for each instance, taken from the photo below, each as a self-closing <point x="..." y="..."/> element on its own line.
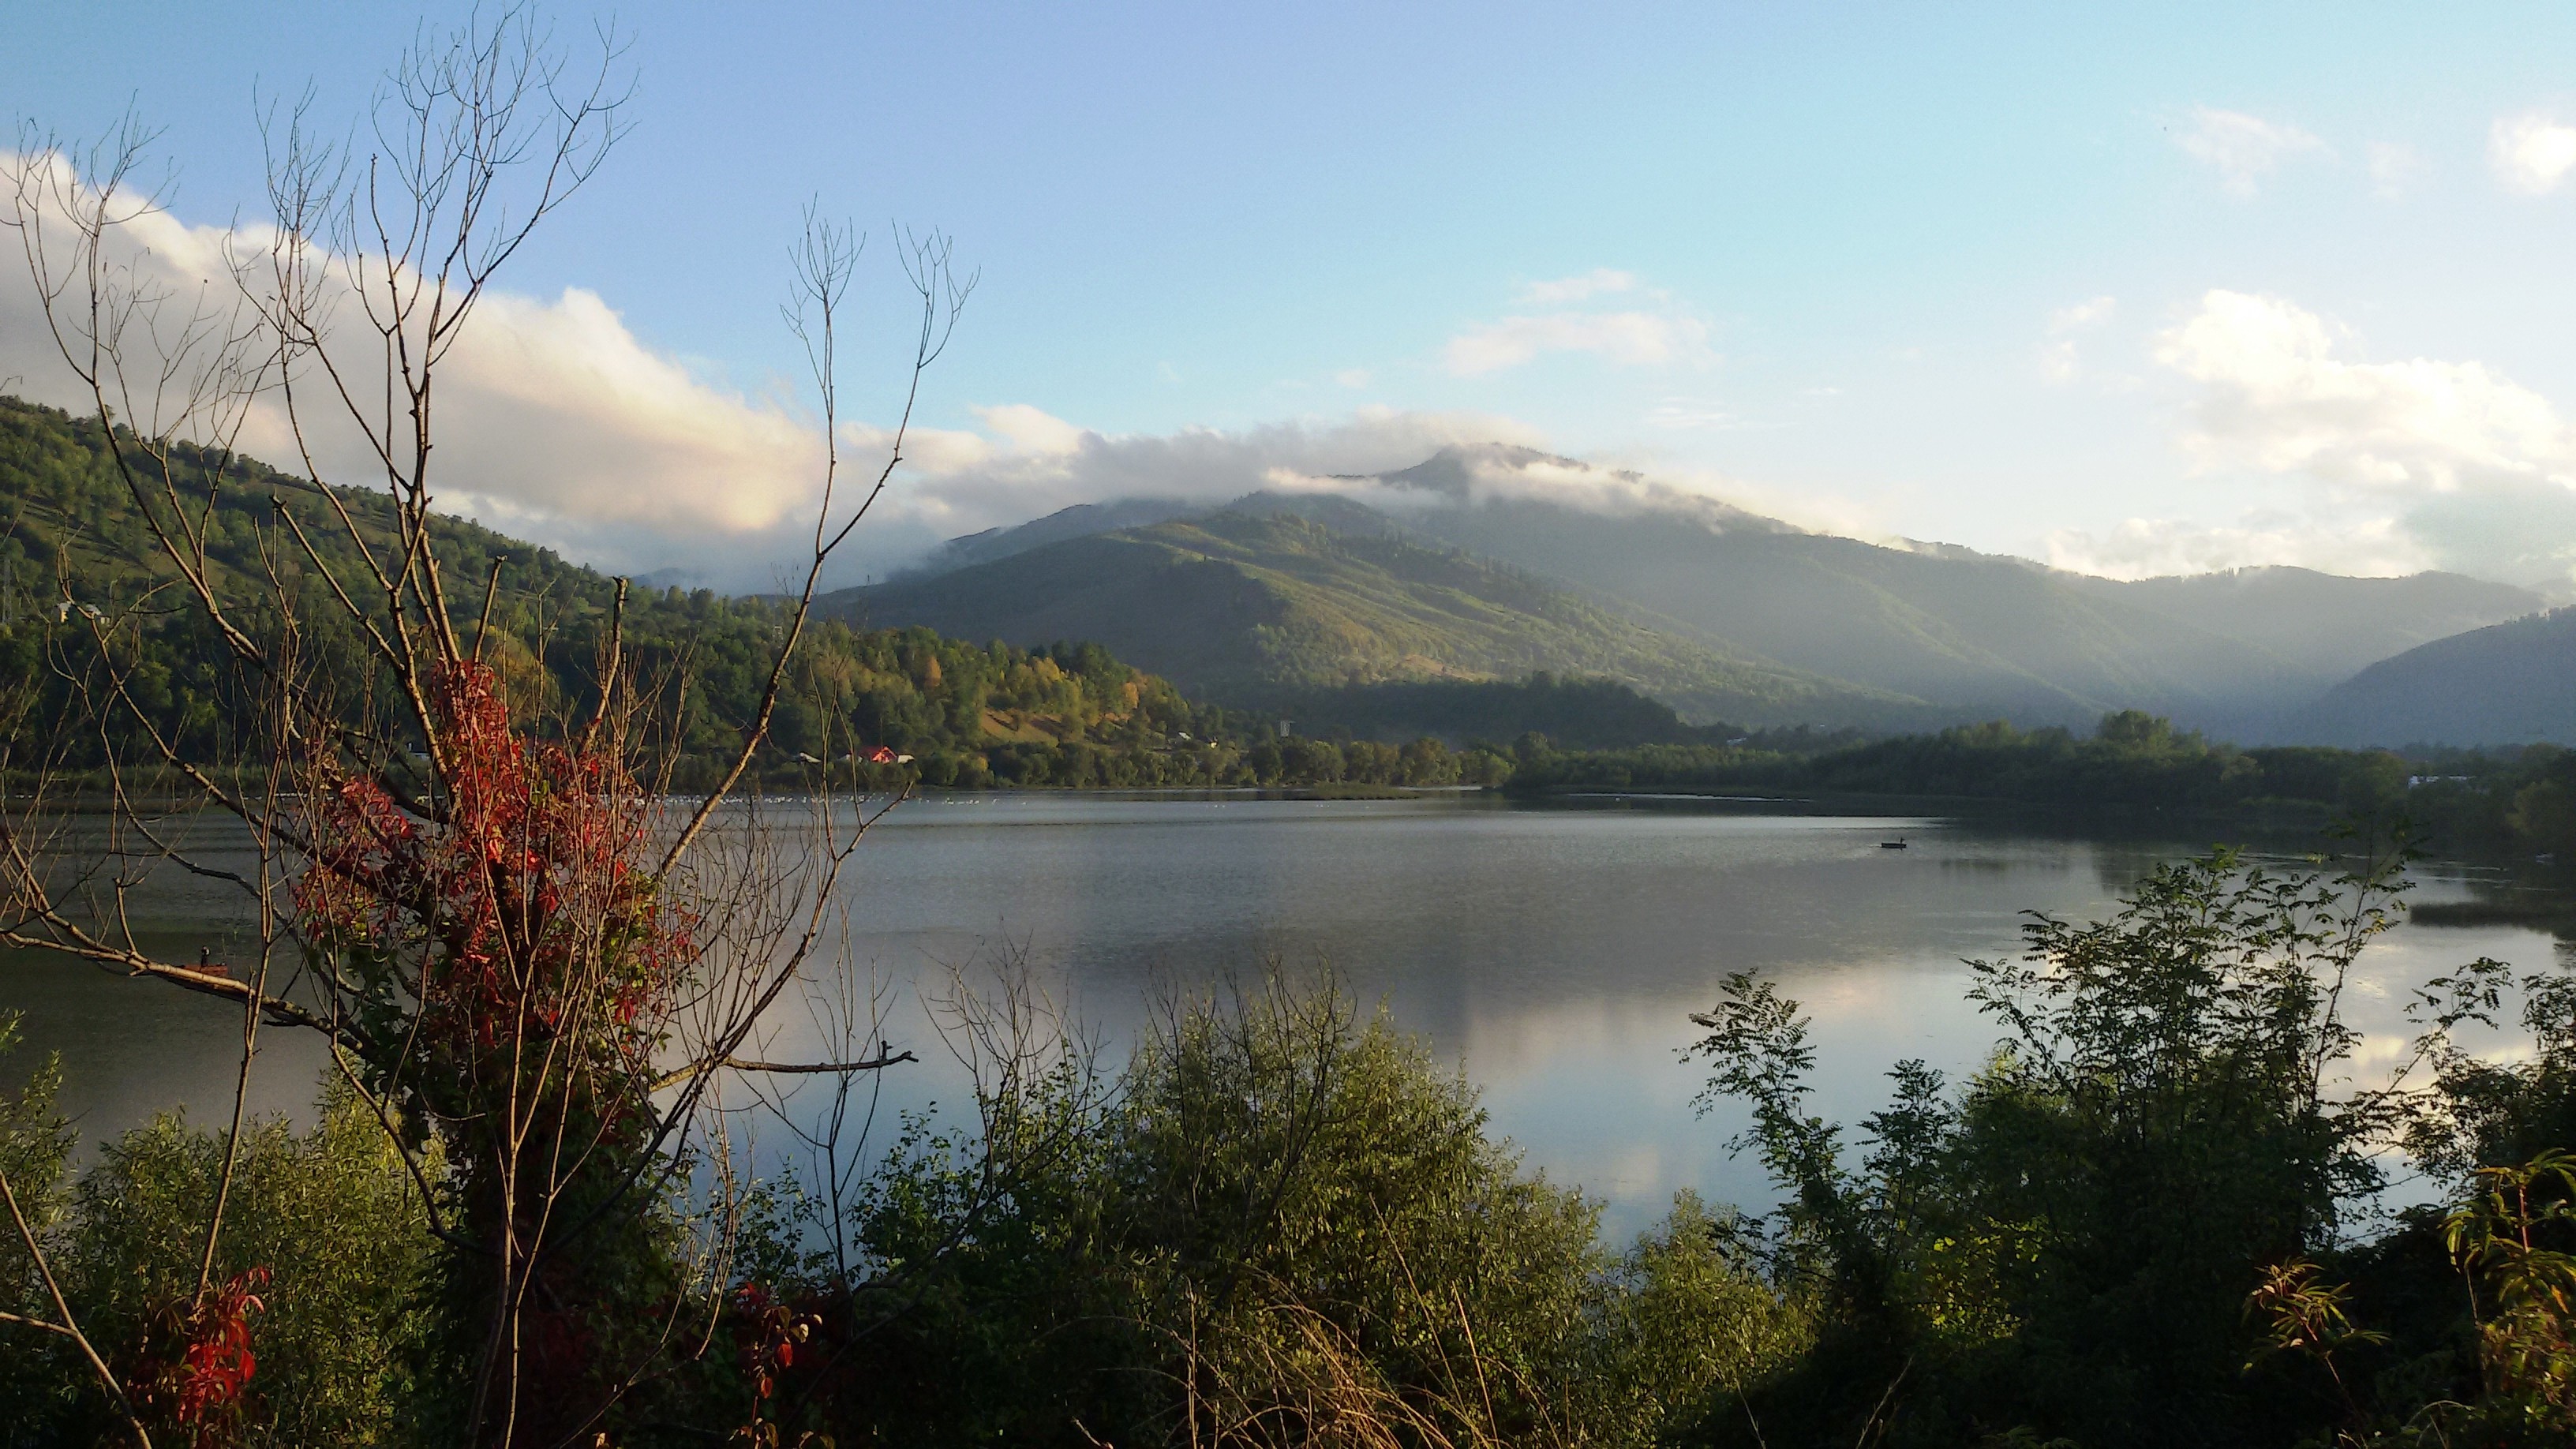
<point x="1553" y="953"/>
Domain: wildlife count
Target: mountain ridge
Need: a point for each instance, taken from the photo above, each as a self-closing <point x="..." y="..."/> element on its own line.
<point x="1963" y="634"/>
<point x="1242" y="603"/>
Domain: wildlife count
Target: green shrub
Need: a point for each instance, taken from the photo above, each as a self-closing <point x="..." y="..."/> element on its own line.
<point x="37" y="1368"/>
<point x="1283" y="1226"/>
<point x="2069" y="1244"/>
<point x="332" y="1218"/>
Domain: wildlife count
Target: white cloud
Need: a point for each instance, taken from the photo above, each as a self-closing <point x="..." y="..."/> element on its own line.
<point x="1661" y="332"/>
<point x="562" y="427"/>
<point x="2058" y="360"/>
<point x="2243" y="149"/>
<point x="2275" y="394"/>
<point x="978" y="482"/>
<point x="558" y="423"/>
<point x="1686" y="414"/>
<point x="2531" y="154"/>
<point x="1632" y="338"/>
<point x="2394" y="169"/>
<point x="1490" y="472"/>
<point x="2150" y="547"/>
<point x="1026" y="464"/>
<point x="2451" y="460"/>
<point x="1598" y="281"/>
<point x="1352" y="377"/>
<point x="2090" y="313"/>
<point x="1032" y="431"/>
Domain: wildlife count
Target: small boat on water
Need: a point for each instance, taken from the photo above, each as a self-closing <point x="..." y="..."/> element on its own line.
<point x="1897" y="844"/>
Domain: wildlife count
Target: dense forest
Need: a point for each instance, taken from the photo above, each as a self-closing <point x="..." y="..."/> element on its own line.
<point x="2132" y="761"/>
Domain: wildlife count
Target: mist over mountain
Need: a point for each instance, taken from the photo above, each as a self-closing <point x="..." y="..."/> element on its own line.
<point x="1079" y="521"/>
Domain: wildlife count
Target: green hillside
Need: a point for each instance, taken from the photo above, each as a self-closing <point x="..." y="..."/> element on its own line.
<point x="1252" y="607"/>
<point x="73" y="537"/>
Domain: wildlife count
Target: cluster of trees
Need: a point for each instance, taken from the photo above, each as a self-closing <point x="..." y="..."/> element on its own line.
<point x="2154" y="1216"/>
<point x="2522" y="799"/>
<point x="1256" y="757"/>
<point x="2526" y="797"/>
<point x="1573" y="711"/>
<point x="2131" y="758"/>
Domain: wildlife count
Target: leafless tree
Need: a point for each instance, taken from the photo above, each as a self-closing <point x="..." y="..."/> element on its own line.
<point x="518" y="941"/>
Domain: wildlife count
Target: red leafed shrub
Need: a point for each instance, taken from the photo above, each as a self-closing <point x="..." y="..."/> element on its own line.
<point x="507" y="968"/>
<point x="512" y="899"/>
<point x="767" y="1332"/>
<point x="197" y="1366"/>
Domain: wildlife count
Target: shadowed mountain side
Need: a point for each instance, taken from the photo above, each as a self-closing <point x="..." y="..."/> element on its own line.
<point x="1239" y="605"/>
<point x="2512" y="683"/>
<point x="2325" y="623"/>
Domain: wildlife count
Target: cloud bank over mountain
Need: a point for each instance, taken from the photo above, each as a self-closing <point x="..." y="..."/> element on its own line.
<point x="2406" y="464"/>
<point x="561" y="424"/>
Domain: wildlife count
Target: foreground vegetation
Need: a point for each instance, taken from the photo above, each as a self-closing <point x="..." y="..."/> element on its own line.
<point x="2149" y="1220"/>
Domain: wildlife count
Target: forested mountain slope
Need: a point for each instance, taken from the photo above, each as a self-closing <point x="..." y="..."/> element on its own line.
<point x="1248" y="603"/>
<point x="2323" y="623"/>
<point x="2510" y="683"/>
<point x="72" y="535"/>
<point x="1980" y="636"/>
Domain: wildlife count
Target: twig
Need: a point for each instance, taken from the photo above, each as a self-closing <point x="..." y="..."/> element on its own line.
<point x="70" y="1326"/>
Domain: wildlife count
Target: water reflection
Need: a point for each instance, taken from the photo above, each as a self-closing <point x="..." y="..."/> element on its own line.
<point x="1554" y="953"/>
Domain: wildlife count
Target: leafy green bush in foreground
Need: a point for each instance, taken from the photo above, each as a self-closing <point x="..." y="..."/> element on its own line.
<point x="326" y="1226"/>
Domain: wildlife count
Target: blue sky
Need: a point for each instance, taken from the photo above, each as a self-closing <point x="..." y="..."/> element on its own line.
<point x="2177" y="287"/>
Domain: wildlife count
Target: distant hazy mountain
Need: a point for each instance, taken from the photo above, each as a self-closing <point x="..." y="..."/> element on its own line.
<point x="1977" y="635"/>
<point x="1968" y="635"/>
<point x="2511" y="683"/>
<point x="2323" y="623"/>
<point x="1250" y="603"/>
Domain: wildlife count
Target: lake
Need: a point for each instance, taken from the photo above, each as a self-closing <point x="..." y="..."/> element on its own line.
<point x="1553" y="952"/>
